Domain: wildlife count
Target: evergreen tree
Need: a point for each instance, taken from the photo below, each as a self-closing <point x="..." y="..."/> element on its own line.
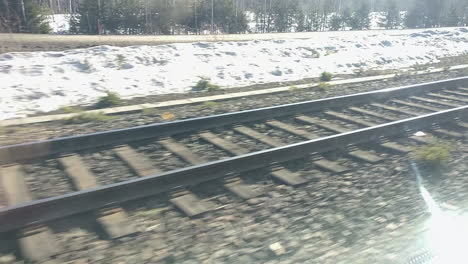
<point x="22" y="16"/>
<point x="284" y="13"/>
<point x="433" y="12"/>
<point x="336" y="22"/>
<point x="36" y="21"/>
<point x="128" y="17"/>
<point x="392" y="16"/>
<point x="360" y="18"/>
<point x="346" y="17"/>
<point x="463" y="7"/>
<point x="88" y="17"/>
<point x="74" y="24"/>
<point x="416" y="16"/>
<point x="194" y="16"/>
<point x="313" y="20"/>
<point x="451" y="18"/>
<point x="158" y="20"/>
<point x="300" y="21"/>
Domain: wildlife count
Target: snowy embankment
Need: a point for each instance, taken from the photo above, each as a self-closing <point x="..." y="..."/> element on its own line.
<point x="32" y="82"/>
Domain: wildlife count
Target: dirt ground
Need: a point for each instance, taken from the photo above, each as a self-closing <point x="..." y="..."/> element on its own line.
<point x="37" y="42"/>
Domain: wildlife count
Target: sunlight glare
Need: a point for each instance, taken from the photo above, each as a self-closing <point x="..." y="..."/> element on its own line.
<point x="448" y="231"/>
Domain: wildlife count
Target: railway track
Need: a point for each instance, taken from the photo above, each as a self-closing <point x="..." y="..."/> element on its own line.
<point x="170" y="157"/>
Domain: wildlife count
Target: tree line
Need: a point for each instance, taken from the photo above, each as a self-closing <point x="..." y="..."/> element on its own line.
<point x="158" y="17"/>
<point x="229" y="16"/>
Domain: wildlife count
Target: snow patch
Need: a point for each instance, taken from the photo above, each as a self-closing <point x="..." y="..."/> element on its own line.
<point x="59" y="23"/>
<point x="34" y="82"/>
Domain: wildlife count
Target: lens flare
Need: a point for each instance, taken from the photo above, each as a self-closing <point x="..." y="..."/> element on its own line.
<point x="448" y="231"/>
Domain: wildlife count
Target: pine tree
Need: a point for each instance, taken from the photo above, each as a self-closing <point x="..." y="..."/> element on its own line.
<point x="392" y="17"/>
<point x="22" y="16"/>
<point x="88" y="17"/>
<point x="433" y="12"/>
<point x="130" y="18"/>
<point x="284" y="13"/>
<point x="74" y="24"/>
<point x="451" y="18"/>
<point x="336" y="22"/>
<point x="463" y="6"/>
<point x="360" y="18"/>
<point x="225" y="18"/>
<point x="300" y="21"/>
<point x="416" y="16"/>
<point x="346" y="17"/>
<point x="313" y="19"/>
<point x="36" y="21"/>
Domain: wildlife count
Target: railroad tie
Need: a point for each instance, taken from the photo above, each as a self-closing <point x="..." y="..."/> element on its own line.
<point x="329" y="165"/>
<point x="140" y="164"/>
<point x="288" y="177"/>
<point x="456" y="93"/>
<point x="357" y="154"/>
<point x="418" y="106"/>
<point x="365" y="156"/>
<point x="351" y="119"/>
<point x="251" y="133"/>
<point x="37" y="243"/>
<point x="462" y="124"/>
<point x="190" y="204"/>
<point x="322" y="163"/>
<point x="431" y="101"/>
<point x="114" y="221"/>
<point x="291" y="129"/>
<point x="448" y="133"/>
<point x="320" y="123"/>
<point x="223" y="144"/>
<point x="463" y="89"/>
<point x="372" y="113"/>
<point x="181" y="151"/>
<point x="281" y="174"/>
<point x="395" y="109"/>
<point x="237" y="186"/>
<point x="234" y="185"/>
<point x="395" y="147"/>
<point x="448" y="97"/>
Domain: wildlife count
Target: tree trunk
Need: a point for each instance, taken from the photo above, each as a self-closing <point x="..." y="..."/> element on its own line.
<point x="23" y="11"/>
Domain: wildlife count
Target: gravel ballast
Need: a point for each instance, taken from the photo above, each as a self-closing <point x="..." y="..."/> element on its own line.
<point x="107" y="167"/>
<point x="332" y="219"/>
<point x="46" y="179"/>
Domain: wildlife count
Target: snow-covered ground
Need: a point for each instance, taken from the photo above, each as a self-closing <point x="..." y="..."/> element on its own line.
<point x="59" y="23"/>
<point x="32" y="82"/>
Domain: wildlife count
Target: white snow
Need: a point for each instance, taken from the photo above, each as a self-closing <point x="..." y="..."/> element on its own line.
<point x="377" y="20"/>
<point x="59" y="23"/>
<point x="32" y="82"/>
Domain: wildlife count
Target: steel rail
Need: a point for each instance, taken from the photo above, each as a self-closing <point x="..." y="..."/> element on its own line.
<point x="41" y="211"/>
<point x="33" y="150"/>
